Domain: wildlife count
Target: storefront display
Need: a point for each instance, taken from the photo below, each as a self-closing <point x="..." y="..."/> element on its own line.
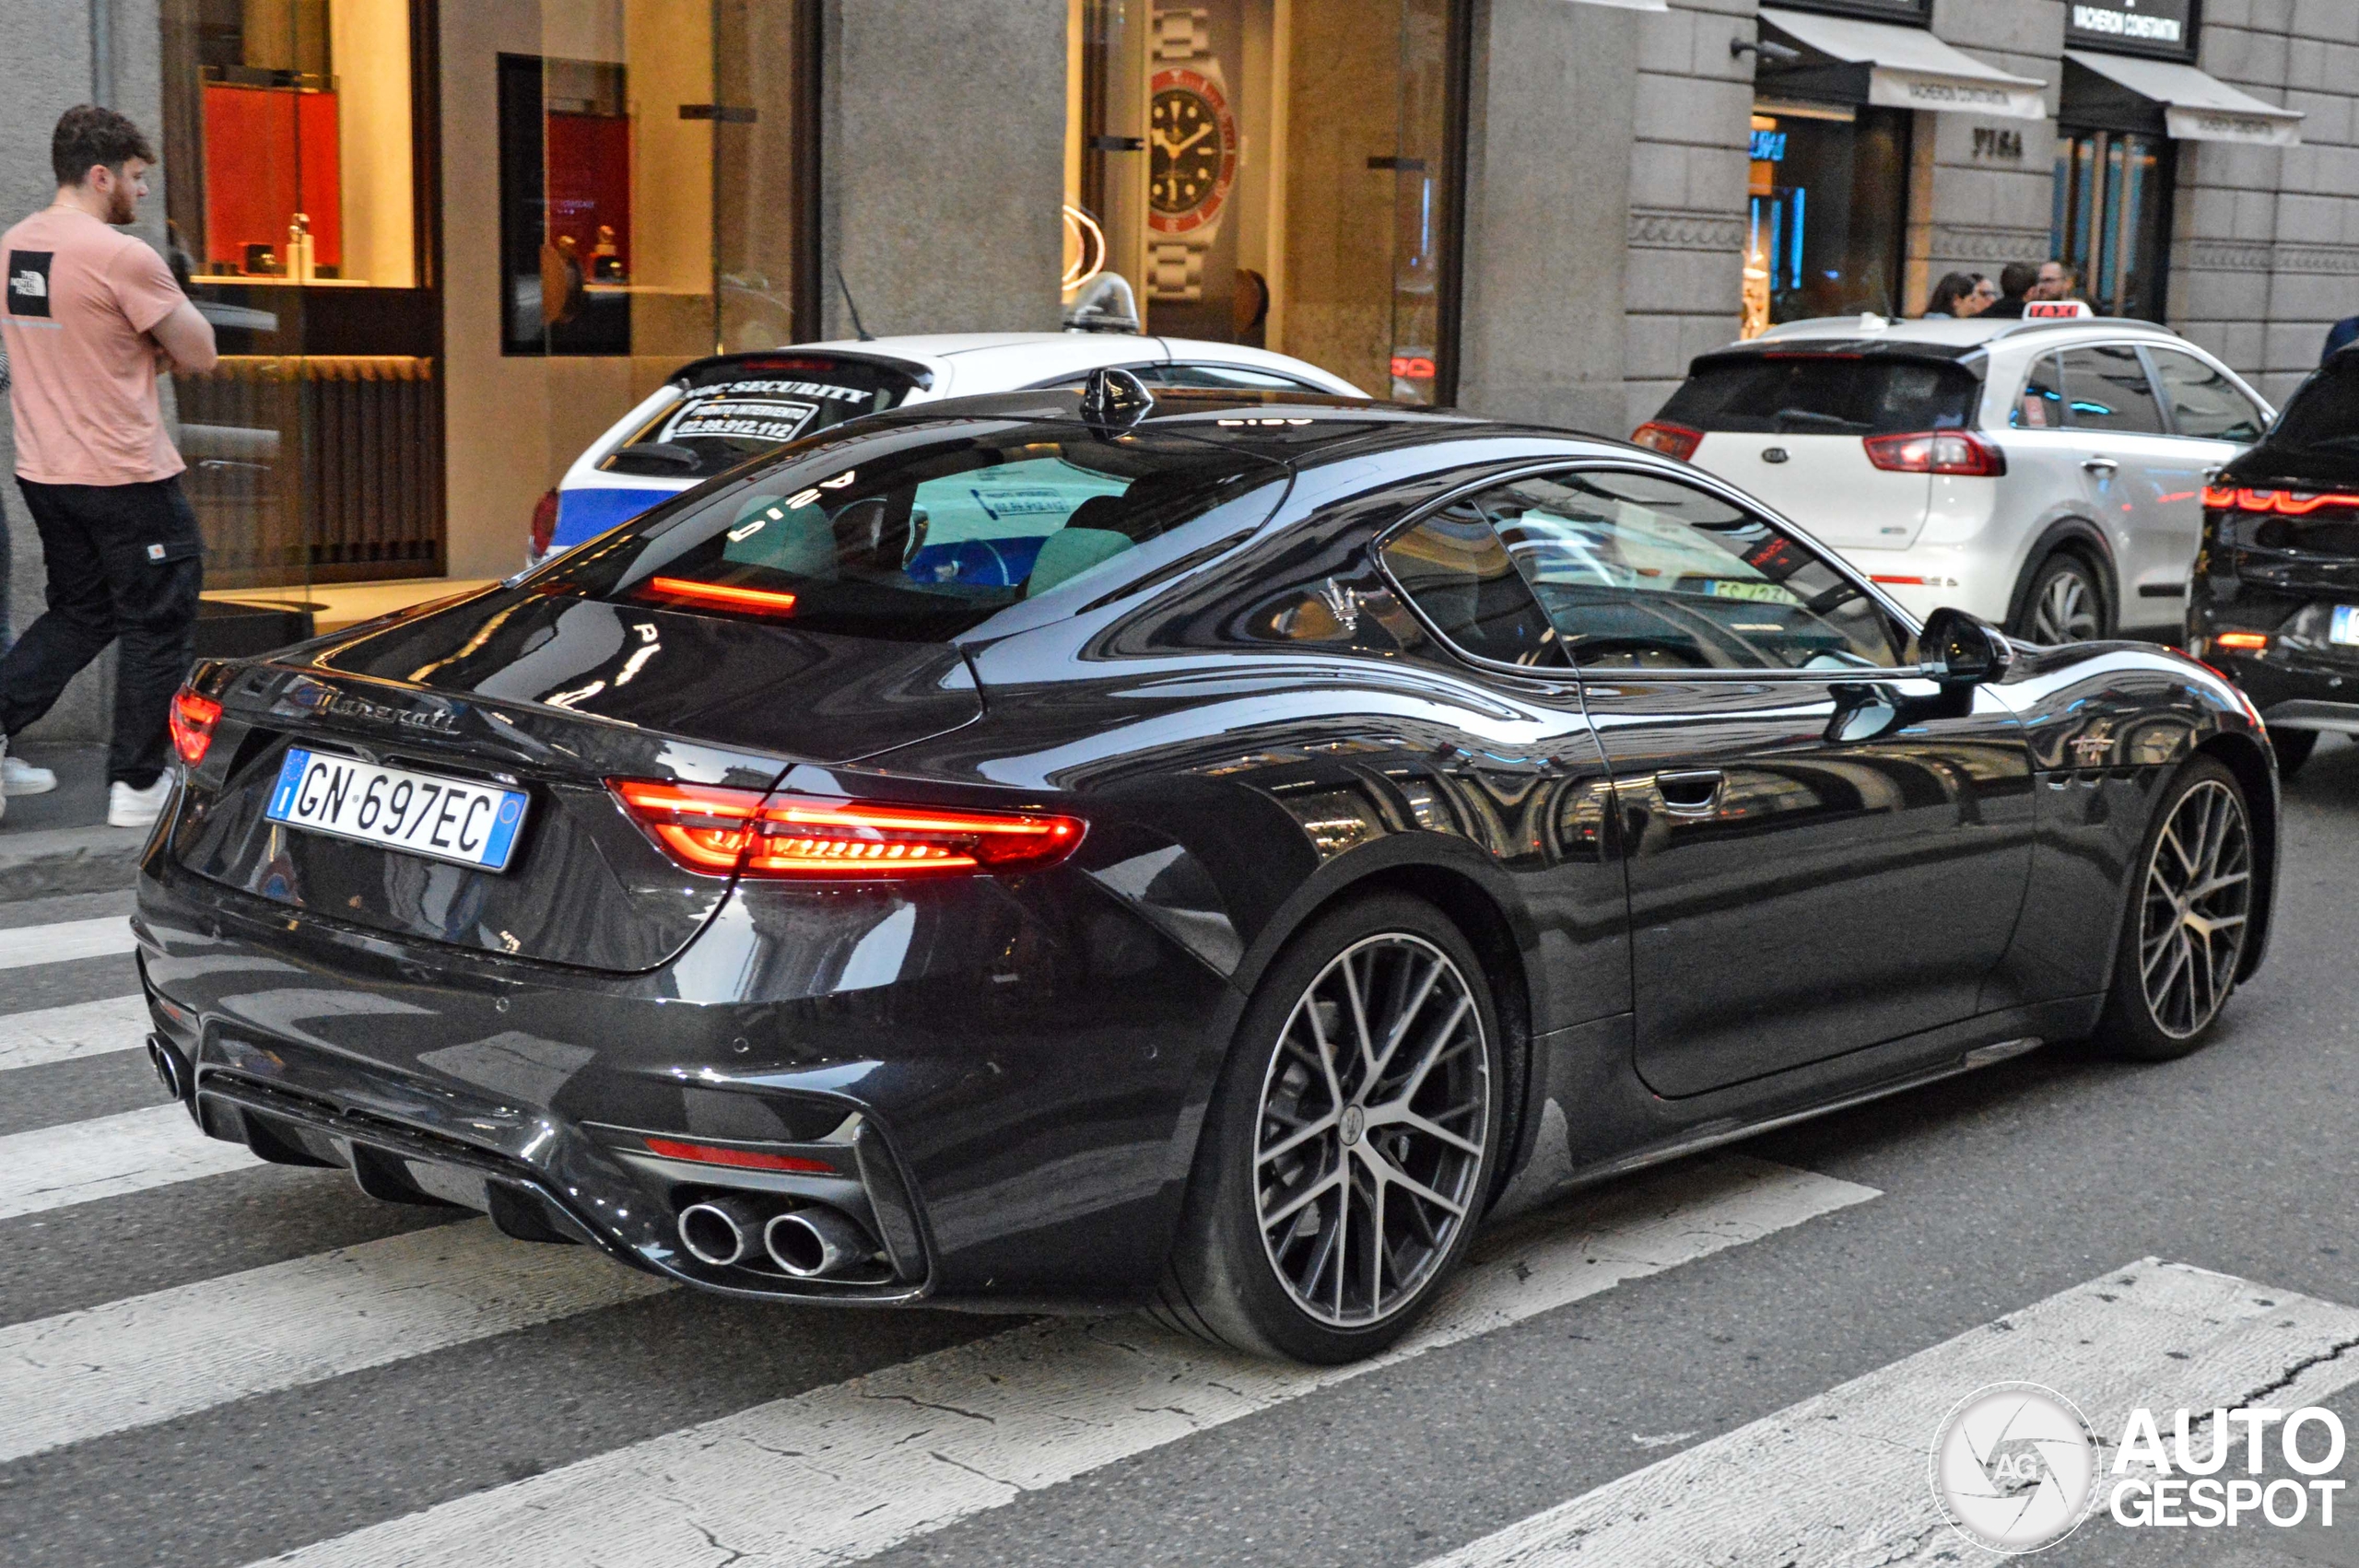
<point x="1277" y="172"/>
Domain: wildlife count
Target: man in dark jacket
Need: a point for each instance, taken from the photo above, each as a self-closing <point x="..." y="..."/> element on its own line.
<point x="2016" y="284"/>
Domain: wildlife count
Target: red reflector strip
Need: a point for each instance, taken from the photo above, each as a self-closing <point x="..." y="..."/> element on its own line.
<point x="2242" y="640"/>
<point x="757" y="599"/>
<point x="191" y="720"/>
<point x="1900" y="581"/>
<point x="743" y="1159"/>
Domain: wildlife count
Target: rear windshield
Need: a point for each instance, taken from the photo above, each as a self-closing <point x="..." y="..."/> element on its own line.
<point x="2318" y="436"/>
<point x="743" y="408"/>
<point x="1800" y="394"/>
<point x="915" y="540"/>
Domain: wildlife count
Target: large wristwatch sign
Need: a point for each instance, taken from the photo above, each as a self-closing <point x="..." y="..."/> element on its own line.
<point x="2143" y="27"/>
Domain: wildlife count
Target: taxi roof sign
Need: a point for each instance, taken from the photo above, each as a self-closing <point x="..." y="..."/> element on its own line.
<point x="2057" y="311"/>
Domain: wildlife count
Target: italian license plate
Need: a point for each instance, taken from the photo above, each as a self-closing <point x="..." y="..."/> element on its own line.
<point x="2346" y="628"/>
<point x="421" y="813"/>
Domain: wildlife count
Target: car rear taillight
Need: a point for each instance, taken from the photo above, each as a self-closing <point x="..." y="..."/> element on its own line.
<point x="1960" y="454"/>
<point x="191" y="719"/>
<point x="2243" y="642"/>
<point x="1672" y="440"/>
<point x="2285" y="503"/>
<point x="544" y="524"/>
<point x="803" y="836"/>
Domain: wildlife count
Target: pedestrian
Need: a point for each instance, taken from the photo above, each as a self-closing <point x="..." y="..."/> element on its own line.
<point x="92" y="317"/>
<point x="2057" y="281"/>
<point x="1953" y="296"/>
<point x="2339" y="336"/>
<point x="1986" y="293"/>
<point x="2016" y="281"/>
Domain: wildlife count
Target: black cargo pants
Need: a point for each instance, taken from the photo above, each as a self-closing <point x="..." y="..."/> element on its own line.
<point x="123" y="561"/>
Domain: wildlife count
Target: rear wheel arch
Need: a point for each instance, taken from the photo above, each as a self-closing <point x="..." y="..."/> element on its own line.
<point x="2078" y="537"/>
<point x="1487" y="916"/>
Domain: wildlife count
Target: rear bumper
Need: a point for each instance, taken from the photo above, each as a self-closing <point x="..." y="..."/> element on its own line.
<point x="1011" y="1123"/>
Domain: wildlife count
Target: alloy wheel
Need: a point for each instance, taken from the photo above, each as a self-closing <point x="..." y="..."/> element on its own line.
<point x="1375" y="1115"/>
<point x="2198" y="897"/>
<point x="2067" y="611"/>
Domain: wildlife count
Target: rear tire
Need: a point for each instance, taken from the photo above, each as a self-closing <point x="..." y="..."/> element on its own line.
<point x="2189" y="912"/>
<point x="2065" y="603"/>
<point x="1360" y="1100"/>
<point x="2292" y="748"/>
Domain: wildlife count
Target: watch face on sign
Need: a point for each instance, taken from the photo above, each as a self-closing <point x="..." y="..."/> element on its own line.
<point x="1192" y="143"/>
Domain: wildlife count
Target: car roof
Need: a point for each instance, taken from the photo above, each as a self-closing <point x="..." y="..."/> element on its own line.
<point x="1046" y="355"/>
<point x="1939" y="336"/>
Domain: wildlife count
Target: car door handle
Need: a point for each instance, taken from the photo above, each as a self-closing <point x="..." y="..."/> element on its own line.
<point x="2099" y="465"/>
<point x="1692" y="793"/>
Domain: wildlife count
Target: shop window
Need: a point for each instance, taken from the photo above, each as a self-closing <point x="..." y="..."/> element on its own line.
<point x="293" y="150"/>
<point x="656" y="179"/>
<point x="2112" y="219"/>
<point x="1276" y="172"/>
<point x="1828" y="210"/>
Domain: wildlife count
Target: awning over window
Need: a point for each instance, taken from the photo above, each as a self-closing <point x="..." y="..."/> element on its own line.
<point x="1895" y="67"/>
<point x="2196" y="108"/>
<point x="1629" y="5"/>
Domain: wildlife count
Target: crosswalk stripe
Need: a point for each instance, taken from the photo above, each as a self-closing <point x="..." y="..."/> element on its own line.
<point x="23" y="946"/>
<point x="81" y="1162"/>
<point x="845" y="1471"/>
<point x="65" y="1034"/>
<point x="1840" y="1480"/>
<point x="147" y="1359"/>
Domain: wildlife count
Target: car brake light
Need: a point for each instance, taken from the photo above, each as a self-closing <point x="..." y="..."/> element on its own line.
<point x="544" y="524"/>
<point x="761" y="601"/>
<point x="1672" y="440"/>
<point x="743" y="1158"/>
<point x="1960" y="454"/>
<point x="720" y="830"/>
<point x="191" y="719"/>
<point x="2251" y="642"/>
<point x="2287" y="503"/>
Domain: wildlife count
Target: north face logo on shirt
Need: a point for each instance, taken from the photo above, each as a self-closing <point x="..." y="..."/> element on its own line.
<point x="29" y="282"/>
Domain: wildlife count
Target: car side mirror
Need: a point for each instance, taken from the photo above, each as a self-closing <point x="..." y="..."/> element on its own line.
<point x="1961" y="650"/>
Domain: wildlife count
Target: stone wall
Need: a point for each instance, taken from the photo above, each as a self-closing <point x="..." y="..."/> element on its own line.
<point x="2266" y="252"/>
<point x="1986" y="209"/>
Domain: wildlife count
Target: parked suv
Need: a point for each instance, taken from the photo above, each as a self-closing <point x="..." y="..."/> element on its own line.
<point x="2045" y="475"/>
<point x="2274" y="598"/>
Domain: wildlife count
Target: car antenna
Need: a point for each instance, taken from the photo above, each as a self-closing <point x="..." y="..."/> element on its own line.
<point x="860" y="331"/>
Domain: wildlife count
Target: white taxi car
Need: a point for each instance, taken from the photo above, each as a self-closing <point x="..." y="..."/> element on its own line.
<point x="2045" y="475"/>
<point x="716" y="412"/>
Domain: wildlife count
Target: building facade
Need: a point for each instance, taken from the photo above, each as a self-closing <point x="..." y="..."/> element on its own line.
<point x="445" y="242"/>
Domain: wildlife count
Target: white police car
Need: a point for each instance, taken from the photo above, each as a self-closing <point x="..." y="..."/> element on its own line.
<point x="716" y="413"/>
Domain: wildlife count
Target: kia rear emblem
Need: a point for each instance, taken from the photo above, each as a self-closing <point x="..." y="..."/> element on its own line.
<point x="1774" y="454"/>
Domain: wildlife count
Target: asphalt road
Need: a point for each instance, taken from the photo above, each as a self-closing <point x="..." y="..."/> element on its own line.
<point x="1740" y="1360"/>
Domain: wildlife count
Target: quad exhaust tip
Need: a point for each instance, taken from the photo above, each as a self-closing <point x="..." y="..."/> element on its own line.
<point x="814" y="1242"/>
<point x="721" y="1231"/>
<point x="167" y="1063"/>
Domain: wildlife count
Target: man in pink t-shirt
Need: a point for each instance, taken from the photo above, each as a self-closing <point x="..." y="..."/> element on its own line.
<point x="90" y="317"/>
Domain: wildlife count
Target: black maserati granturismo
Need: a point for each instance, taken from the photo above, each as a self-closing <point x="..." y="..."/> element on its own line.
<point x="1075" y="852"/>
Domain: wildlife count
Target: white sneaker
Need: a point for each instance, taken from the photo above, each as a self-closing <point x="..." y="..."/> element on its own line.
<point x="18" y="776"/>
<point x="127" y="807"/>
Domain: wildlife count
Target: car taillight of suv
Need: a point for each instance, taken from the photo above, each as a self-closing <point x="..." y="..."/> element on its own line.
<point x="1961" y="454"/>
<point x="1672" y="440"/>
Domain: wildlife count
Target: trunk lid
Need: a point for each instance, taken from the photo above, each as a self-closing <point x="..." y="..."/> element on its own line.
<point x="1825" y="484"/>
<point x="552" y="695"/>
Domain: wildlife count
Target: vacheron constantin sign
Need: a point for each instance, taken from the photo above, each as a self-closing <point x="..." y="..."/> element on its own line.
<point x="1191" y="149"/>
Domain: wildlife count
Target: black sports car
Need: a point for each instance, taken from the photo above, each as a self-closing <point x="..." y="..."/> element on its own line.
<point x="1058" y="850"/>
<point x="2274" y="596"/>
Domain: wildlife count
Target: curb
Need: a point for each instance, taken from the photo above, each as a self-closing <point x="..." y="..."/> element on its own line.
<point x="68" y="859"/>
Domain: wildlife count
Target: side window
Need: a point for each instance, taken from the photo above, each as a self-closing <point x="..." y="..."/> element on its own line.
<point x="1454" y="568"/>
<point x="1637" y="572"/>
<point x="2105" y="389"/>
<point x="2203" y="401"/>
<point x="2042" y="405"/>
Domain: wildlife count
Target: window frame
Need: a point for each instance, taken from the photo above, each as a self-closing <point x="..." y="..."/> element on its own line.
<point x="1571" y="674"/>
